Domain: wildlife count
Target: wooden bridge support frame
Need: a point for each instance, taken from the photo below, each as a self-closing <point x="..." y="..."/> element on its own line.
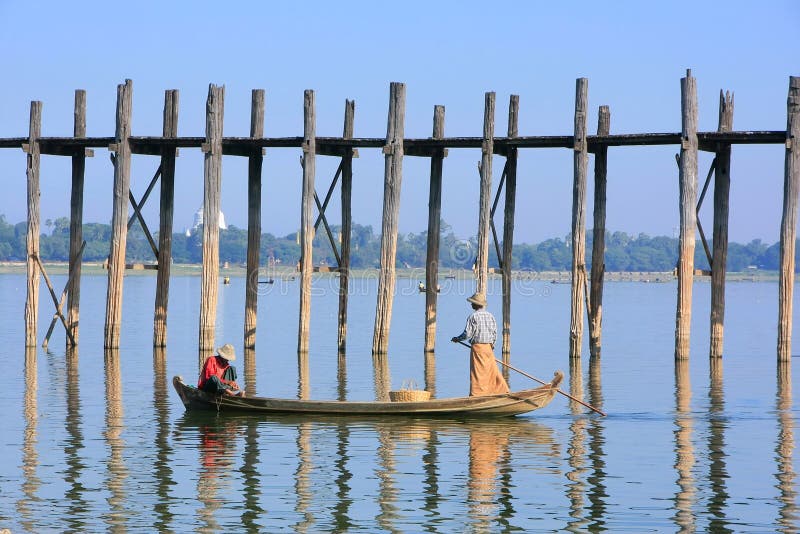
<point x="32" y="237"/>
<point x="580" y="164"/>
<point x="76" y="219"/>
<point x="212" y="176"/>
<point x="508" y="221"/>
<point x="254" y="166"/>
<point x="485" y="170"/>
<point x="791" y="188"/>
<point x="434" y="228"/>
<point x="687" y="180"/>
<point x="595" y="311"/>
<point x="722" y="186"/>
<point x="119" y="217"/>
<point x="307" y="220"/>
<point x="393" y="176"/>
<point x="347" y="227"/>
<point x="166" y="211"/>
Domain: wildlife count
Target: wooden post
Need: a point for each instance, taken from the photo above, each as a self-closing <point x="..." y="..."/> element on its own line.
<point x="212" y="172"/>
<point x="119" y="216"/>
<point x="484" y="210"/>
<point x="580" y="166"/>
<point x="508" y="220"/>
<point x="687" y="181"/>
<point x="76" y="219"/>
<point x="32" y="237"/>
<point x="434" y="228"/>
<point x="791" y="187"/>
<point x="393" y="175"/>
<point x="166" y="210"/>
<point x="598" y="236"/>
<point x="347" y="217"/>
<point x="307" y="219"/>
<point x="255" y="162"/>
<point x="722" y="187"/>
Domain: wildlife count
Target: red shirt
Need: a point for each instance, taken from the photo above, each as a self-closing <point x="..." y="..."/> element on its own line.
<point x="213" y="366"/>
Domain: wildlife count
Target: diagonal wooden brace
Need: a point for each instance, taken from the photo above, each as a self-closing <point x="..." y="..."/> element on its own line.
<point x="63" y="296"/>
<point x="55" y="300"/>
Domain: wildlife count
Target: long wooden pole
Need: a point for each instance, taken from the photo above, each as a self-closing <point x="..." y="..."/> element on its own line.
<point x="687" y="180"/>
<point x="119" y="215"/>
<point x="347" y="224"/>
<point x="580" y="164"/>
<point x="484" y="209"/>
<point x="76" y="219"/>
<point x="307" y="220"/>
<point x="508" y="220"/>
<point x="166" y="211"/>
<point x="393" y="176"/>
<point x="722" y="187"/>
<point x="598" y="236"/>
<point x="254" y="165"/>
<point x="791" y="187"/>
<point x="32" y="237"/>
<point x="434" y="228"/>
<point x="212" y="174"/>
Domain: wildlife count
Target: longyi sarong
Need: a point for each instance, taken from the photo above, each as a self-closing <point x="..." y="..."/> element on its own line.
<point x="484" y="377"/>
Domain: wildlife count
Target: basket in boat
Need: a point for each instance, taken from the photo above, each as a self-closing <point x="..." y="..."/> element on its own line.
<point x="409" y="393"/>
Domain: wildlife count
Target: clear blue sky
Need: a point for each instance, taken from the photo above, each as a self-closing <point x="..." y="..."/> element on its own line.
<point x="451" y="53"/>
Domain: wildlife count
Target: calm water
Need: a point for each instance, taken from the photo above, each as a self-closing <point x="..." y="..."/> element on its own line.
<point x="101" y="442"/>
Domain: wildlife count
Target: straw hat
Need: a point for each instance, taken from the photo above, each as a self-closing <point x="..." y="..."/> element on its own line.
<point x="478" y="299"/>
<point x="227" y="352"/>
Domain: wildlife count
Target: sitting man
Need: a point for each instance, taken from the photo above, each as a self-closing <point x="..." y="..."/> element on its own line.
<point x="218" y="375"/>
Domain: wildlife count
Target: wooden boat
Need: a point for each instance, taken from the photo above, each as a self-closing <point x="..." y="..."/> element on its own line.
<point x="514" y="403"/>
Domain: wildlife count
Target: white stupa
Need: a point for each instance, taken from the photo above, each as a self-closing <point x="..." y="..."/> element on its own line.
<point x="198" y="220"/>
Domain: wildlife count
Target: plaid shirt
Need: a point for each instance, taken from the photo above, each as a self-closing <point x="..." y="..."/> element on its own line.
<point x="481" y="328"/>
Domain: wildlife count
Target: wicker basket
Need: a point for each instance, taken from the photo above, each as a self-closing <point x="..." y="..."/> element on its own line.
<point x="409" y="395"/>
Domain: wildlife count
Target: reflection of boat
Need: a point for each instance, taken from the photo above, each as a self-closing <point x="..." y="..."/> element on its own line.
<point x="514" y="403"/>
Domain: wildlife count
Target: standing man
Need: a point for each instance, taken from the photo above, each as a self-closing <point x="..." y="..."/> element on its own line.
<point x="481" y="331"/>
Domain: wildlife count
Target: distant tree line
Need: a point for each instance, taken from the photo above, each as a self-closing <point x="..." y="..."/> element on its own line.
<point x="624" y="252"/>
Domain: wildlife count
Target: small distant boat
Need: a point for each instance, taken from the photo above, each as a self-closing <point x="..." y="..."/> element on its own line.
<point x="422" y="289"/>
<point x="450" y="277"/>
<point x="505" y="405"/>
<point x="267" y="281"/>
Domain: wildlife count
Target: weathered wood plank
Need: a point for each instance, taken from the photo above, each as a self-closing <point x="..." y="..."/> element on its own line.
<point x="119" y="216"/>
<point x="307" y="221"/>
<point x="434" y="228"/>
<point x="598" y="236"/>
<point x="212" y="180"/>
<point x="32" y="236"/>
<point x="76" y="220"/>
<point x="722" y="187"/>
<point x="791" y="188"/>
<point x="687" y="181"/>
<point x="166" y="213"/>
<point x="485" y="169"/>
<point x="580" y="168"/>
<point x="347" y="224"/>
<point x="254" y="166"/>
<point x="393" y="176"/>
<point x="508" y="221"/>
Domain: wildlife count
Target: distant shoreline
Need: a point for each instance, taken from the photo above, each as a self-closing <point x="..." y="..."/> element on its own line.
<point x="94" y="269"/>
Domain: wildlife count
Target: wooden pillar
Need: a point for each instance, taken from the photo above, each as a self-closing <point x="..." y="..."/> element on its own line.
<point x="687" y="182"/>
<point x="434" y="228"/>
<point x="508" y="219"/>
<point x="580" y="167"/>
<point x="32" y="237"/>
<point x="791" y="187"/>
<point x="307" y="219"/>
<point x="119" y="216"/>
<point x="166" y="210"/>
<point x="347" y="218"/>
<point x="76" y="220"/>
<point x="254" y="164"/>
<point x="484" y="209"/>
<point x="212" y="172"/>
<point x="598" y="236"/>
<point x="393" y="175"/>
<point x="722" y="187"/>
